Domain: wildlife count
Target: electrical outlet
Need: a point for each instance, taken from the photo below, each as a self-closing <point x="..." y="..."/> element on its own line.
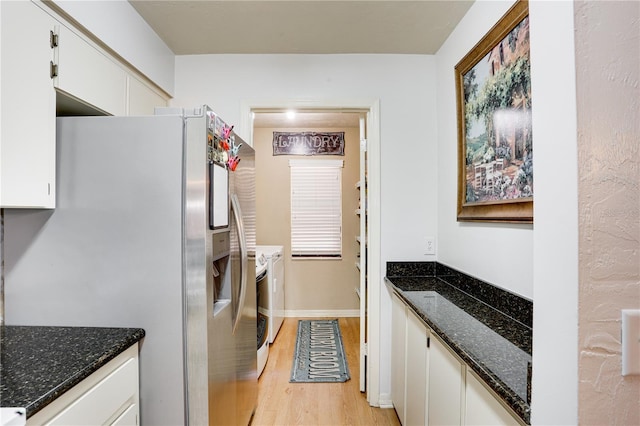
<point x="431" y="245"/>
<point x="630" y="341"/>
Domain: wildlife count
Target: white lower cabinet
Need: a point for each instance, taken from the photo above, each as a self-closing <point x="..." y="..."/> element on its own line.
<point x="446" y="384"/>
<point x="430" y="385"/>
<point x="128" y="418"/>
<point x="482" y="407"/>
<point x="409" y="363"/>
<point x="398" y="350"/>
<point x="110" y="396"/>
<point x="416" y="403"/>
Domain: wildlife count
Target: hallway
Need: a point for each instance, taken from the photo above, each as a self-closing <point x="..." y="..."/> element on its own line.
<point x="284" y="403"/>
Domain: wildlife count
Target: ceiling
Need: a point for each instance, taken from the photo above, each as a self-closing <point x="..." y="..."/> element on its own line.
<point x="302" y="27"/>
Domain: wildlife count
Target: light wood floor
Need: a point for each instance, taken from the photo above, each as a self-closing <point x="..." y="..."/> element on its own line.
<point x="284" y="403"/>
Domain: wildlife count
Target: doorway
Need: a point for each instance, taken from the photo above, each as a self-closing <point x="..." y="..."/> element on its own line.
<point x="363" y="117"/>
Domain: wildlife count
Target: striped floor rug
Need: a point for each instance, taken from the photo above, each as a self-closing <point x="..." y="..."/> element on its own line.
<point x="319" y="353"/>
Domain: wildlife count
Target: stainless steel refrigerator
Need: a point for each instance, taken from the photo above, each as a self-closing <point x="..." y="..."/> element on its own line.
<point x="154" y="227"/>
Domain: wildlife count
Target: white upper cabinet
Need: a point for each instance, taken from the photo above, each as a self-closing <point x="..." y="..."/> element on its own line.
<point x="142" y="100"/>
<point x="47" y="65"/>
<point x="87" y="74"/>
<point x="27" y="109"/>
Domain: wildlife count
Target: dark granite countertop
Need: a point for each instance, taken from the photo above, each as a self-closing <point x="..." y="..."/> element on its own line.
<point x="38" y="364"/>
<point x="493" y="344"/>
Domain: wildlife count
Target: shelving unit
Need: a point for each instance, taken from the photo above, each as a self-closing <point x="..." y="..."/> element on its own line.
<point x="360" y="263"/>
<point x="361" y="259"/>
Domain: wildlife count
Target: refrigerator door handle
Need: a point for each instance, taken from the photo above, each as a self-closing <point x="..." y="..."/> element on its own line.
<point x="244" y="259"/>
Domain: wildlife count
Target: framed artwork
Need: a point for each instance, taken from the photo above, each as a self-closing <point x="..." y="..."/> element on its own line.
<point x="495" y="141"/>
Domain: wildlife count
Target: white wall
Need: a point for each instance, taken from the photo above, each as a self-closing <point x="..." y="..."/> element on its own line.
<point x="118" y="25"/>
<point x="541" y="263"/>
<point x="499" y="254"/>
<point x="418" y="170"/>
<point x="405" y="86"/>
<point x="555" y="254"/>
<point x="608" y="107"/>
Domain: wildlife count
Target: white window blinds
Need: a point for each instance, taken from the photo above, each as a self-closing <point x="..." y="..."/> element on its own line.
<point x="316" y="208"/>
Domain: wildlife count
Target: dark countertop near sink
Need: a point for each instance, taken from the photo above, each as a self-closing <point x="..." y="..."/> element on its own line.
<point x="38" y="364"/>
<point x="494" y="345"/>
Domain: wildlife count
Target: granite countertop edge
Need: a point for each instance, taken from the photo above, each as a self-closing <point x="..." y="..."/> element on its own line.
<point x="85" y="357"/>
<point x="511" y="398"/>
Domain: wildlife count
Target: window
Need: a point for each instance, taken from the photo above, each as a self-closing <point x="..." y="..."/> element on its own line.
<point x="316" y="208"/>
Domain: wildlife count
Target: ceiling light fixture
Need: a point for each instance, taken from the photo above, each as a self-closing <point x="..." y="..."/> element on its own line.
<point x="291" y="114"/>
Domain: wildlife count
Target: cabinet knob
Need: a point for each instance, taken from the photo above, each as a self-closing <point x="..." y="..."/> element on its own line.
<point x="53" y="69"/>
<point x="53" y="39"/>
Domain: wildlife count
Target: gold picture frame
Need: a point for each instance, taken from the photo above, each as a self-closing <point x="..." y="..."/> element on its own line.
<point x="495" y="144"/>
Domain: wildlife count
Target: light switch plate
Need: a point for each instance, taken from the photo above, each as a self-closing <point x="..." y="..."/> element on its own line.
<point x="630" y="342"/>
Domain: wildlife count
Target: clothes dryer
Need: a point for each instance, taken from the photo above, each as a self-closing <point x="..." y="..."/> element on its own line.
<point x="271" y="304"/>
<point x="263" y="320"/>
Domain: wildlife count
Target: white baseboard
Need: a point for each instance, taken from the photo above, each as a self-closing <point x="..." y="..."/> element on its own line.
<point x="321" y="313"/>
<point x="385" y="401"/>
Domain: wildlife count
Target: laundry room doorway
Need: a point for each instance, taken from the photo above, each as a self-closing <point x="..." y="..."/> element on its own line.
<point x="340" y="284"/>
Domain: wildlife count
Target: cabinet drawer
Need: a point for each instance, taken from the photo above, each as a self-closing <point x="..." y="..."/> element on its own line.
<point x="128" y="418"/>
<point x="101" y="398"/>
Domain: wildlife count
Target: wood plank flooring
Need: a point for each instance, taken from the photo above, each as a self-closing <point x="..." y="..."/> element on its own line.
<point x="284" y="403"/>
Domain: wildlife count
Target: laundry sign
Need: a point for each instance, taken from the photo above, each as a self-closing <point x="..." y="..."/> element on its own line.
<point x="308" y="143"/>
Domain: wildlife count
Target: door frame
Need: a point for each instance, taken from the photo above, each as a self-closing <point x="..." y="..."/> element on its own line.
<point x="374" y="271"/>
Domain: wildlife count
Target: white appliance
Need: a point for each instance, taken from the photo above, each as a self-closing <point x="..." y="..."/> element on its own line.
<point x="272" y="305"/>
<point x="154" y="227"/>
<point x="263" y="320"/>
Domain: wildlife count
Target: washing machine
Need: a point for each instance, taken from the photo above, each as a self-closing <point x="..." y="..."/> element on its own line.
<point x="271" y="302"/>
<point x="263" y="321"/>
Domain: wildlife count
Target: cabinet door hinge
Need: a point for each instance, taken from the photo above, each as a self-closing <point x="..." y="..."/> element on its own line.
<point x="365" y="349"/>
<point x="363" y="145"/>
<point x="53" y="69"/>
<point x="428" y="342"/>
<point x="53" y="39"/>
